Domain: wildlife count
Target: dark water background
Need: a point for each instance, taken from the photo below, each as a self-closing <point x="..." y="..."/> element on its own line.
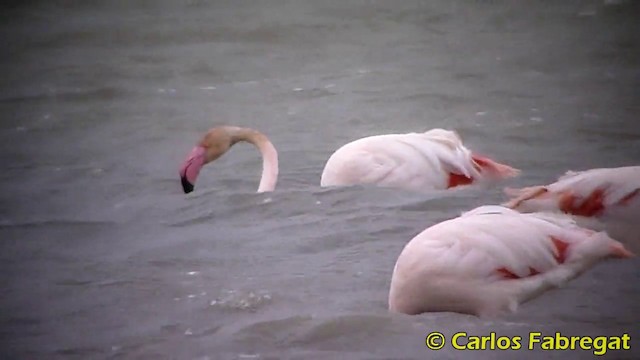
<point x="102" y="256"/>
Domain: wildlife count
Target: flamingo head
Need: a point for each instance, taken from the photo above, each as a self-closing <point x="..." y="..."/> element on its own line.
<point x="214" y="144"/>
<point x="191" y="168"/>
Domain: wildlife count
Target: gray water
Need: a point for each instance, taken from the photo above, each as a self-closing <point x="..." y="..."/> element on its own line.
<point x="103" y="256"/>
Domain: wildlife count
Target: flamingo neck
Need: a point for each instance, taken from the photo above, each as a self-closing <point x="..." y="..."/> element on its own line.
<point x="269" y="155"/>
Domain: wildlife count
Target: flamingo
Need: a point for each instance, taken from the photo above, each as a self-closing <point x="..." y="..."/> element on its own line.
<point x="603" y="198"/>
<point x="491" y="259"/>
<point x="433" y="160"/>
<point x="604" y="192"/>
<point x="218" y="141"/>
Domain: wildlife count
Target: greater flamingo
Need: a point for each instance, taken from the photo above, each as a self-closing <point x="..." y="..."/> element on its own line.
<point x="219" y="140"/>
<point x="491" y="259"/>
<point x="604" y="192"/>
<point x="426" y="161"/>
<point x="603" y="199"/>
<point x="433" y="160"/>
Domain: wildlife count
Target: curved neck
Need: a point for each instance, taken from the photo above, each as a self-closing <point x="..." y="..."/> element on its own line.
<point x="268" y="151"/>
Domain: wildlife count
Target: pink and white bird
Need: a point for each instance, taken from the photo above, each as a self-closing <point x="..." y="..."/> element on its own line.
<point x="605" y="198"/>
<point x="218" y="141"/>
<point x="491" y="259"/>
<point x="605" y="192"/>
<point x="433" y="160"/>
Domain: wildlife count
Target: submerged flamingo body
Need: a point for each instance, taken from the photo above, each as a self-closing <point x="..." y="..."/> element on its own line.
<point x="490" y="260"/>
<point x="432" y="160"/>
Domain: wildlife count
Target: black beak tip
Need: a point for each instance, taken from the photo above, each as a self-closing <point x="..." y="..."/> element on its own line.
<point x="186" y="185"/>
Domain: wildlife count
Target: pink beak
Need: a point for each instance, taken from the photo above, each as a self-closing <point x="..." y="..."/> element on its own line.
<point x="191" y="168"/>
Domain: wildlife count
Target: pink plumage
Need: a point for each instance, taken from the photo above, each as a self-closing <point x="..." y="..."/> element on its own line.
<point x="491" y="259"/>
<point x="433" y="160"/>
<point x="601" y="199"/>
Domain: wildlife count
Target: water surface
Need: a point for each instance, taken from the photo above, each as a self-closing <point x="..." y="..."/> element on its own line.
<point x="104" y="257"/>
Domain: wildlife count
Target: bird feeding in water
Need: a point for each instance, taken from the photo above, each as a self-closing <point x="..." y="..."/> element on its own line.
<point x="218" y="141"/>
<point x="433" y="160"/>
<point x="491" y="259"/>
<point x="600" y="199"/>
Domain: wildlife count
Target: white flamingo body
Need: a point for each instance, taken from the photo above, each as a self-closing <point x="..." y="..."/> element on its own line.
<point x="413" y="161"/>
<point x="491" y="259"/>
<point x="408" y="160"/>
